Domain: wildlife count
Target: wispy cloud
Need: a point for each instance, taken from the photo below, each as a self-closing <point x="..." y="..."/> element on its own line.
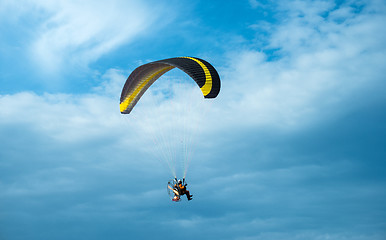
<point x="69" y="33"/>
<point x="325" y="58"/>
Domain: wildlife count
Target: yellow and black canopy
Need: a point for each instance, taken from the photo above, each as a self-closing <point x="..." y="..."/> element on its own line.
<point x="204" y="74"/>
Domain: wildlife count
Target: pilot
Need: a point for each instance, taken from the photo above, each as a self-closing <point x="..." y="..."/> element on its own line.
<point x="181" y="188"/>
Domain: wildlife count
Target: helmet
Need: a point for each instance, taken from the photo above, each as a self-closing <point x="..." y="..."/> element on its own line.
<point x="179" y="181"/>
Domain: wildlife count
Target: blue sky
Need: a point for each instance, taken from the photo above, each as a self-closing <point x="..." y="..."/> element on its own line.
<point x="292" y="148"/>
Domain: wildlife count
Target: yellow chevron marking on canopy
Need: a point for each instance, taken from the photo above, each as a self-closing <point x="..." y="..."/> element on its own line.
<point x="130" y="97"/>
<point x="208" y="78"/>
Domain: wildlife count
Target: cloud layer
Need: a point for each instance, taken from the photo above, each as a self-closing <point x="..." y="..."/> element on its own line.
<point x="68" y="35"/>
<point x="292" y="148"/>
<point x="330" y="61"/>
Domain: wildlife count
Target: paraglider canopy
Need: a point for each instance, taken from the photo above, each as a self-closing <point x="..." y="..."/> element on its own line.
<point x="202" y="72"/>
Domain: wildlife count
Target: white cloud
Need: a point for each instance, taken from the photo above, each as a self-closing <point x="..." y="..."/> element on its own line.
<point x="73" y="33"/>
<point x="325" y="68"/>
<point x="255" y="3"/>
<point x="62" y="117"/>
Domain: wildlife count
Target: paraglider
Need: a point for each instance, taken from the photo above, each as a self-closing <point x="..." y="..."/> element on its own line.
<point x="177" y="188"/>
<point x="204" y="75"/>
